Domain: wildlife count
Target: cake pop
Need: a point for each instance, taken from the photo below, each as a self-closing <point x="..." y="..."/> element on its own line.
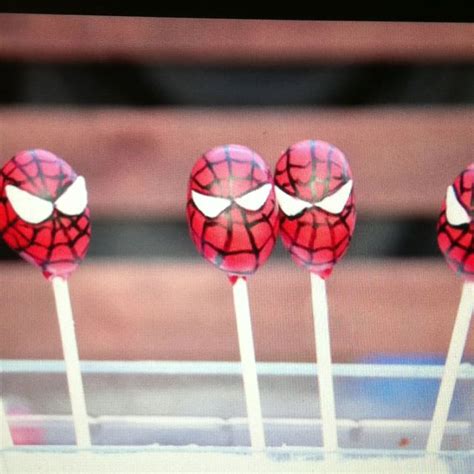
<point x="231" y="210"/>
<point x="314" y="189"/>
<point x="43" y="212"/>
<point x="233" y="221"/>
<point x="44" y="217"/>
<point x="456" y="225"/>
<point x="456" y="241"/>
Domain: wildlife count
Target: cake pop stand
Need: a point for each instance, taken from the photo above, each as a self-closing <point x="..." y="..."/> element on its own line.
<point x="180" y="416"/>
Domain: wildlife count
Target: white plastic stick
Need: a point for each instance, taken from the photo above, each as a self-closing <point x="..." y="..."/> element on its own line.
<point x="453" y="360"/>
<point x="323" y="353"/>
<point x="6" y="440"/>
<point x="71" y="358"/>
<point x="249" y="367"/>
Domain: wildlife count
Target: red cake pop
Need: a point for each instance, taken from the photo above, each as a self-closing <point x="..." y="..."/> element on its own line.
<point x="44" y="217"/>
<point x="231" y="209"/>
<point x="456" y="225"/>
<point x="456" y="241"/>
<point x="43" y="212"/>
<point x="233" y="221"/>
<point x="313" y="184"/>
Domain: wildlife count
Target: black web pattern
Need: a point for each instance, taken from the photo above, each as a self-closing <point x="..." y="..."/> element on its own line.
<point x="457" y="234"/>
<point x="301" y="232"/>
<point x="258" y="244"/>
<point x="336" y="170"/>
<point x="336" y="248"/>
<point x="38" y="242"/>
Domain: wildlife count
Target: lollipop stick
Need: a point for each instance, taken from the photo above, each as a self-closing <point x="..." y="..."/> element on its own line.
<point x="71" y="358"/>
<point x="453" y="360"/>
<point x="249" y="368"/>
<point x="5" y="435"/>
<point x="323" y="353"/>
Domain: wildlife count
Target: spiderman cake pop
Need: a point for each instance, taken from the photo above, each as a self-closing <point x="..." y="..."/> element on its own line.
<point x="314" y="189"/>
<point x="313" y="184"/>
<point x="231" y="209"/>
<point x="44" y="217"/>
<point x="43" y="212"/>
<point x="233" y="221"/>
<point x="456" y="241"/>
<point x="456" y="225"/>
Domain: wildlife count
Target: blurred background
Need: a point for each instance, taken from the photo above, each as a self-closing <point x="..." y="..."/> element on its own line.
<point x="131" y="103"/>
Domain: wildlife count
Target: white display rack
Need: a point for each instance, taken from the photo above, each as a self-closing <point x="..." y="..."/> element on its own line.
<point x="179" y="414"/>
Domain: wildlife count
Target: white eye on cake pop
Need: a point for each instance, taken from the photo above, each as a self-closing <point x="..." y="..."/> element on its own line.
<point x="314" y="189"/>
<point x="233" y="221"/>
<point x="44" y="218"/>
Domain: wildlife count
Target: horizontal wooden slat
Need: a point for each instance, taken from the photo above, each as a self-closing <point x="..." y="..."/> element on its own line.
<point x="130" y="310"/>
<point x="73" y="38"/>
<point x="137" y="162"/>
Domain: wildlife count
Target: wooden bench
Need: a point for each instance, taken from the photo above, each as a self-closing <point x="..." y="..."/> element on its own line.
<point x="67" y="38"/>
<point x="171" y="311"/>
<point x="402" y="159"/>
